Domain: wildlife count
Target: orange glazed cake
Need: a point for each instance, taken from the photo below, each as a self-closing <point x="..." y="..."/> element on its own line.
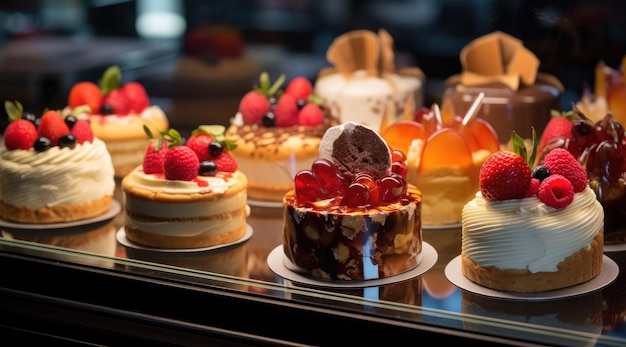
<point x="443" y="157"/>
<point x="55" y="171"/>
<point x="532" y="231"/>
<point x="352" y="215"/>
<point x="277" y="131"/>
<point x="117" y="113"/>
<point x="187" y="195"/>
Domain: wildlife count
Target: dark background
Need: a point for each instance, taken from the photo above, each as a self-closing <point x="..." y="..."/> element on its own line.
<point x="569" y="37"/>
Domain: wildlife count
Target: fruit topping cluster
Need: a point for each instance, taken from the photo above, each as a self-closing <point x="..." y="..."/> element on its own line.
<point x="600" y="148"/>
<point x="507" y="175"/>
<point x="356" y="169"/>
<point x="26" y="131"/>
<point x="109" y="96"/>
<point x="270" y="105"/>
<point x="205" y="153"/>
<point x="445" y="142"/>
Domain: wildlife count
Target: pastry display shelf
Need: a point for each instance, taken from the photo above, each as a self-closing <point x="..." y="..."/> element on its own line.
<point x="231" y="295"/>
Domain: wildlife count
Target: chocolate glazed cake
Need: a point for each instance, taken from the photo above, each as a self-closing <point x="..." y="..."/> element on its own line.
<point x="506" y="109"/>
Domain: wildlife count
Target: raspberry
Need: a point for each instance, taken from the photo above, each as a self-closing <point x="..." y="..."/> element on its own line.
<point x="253" y="106"/>
<point x="310" y="114"/>
<point x="181" y="163"/>
<point x="299" y="88"/>
<point x="533" y="187"/>
<point x="20" y="134"/>
<point x="118" y="101"/>
<point x="153" y="159"/>
<point x="286" y="111"/>
<point x="225" y="162"/>
<point x="560" y="161"/>
<point x="82" y="131"/>
<point x="556" y="191"/>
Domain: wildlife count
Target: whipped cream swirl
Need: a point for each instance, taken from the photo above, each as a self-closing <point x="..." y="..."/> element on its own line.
<point x="58" y="176"/>
<point x="526" y="234"/>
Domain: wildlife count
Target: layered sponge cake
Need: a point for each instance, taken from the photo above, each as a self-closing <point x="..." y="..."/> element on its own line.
<point x="187" y="195"/>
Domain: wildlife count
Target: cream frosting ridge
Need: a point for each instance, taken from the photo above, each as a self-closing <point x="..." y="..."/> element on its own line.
<point x="526" y="234"/>
<point x="58" y="176"/>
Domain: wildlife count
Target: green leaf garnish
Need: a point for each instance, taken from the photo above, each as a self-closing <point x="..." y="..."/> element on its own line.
<point x="519" y="147"/>
<point x="267" y="88"/>
<point x="111" y="79"/>
<point x="14" y="110"/>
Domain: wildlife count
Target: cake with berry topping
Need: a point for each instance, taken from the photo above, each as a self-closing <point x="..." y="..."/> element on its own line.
<point x="186" y="195"/>
<point x="363" y="84"/>
<point x="352" y="215"/>
<point x="532" y="231"/>
<point x="600" y="147"/>
<point x="517" y="95"/>
<point x="53" y="169"/>
<point x="117" y="113"/>
<point x="277" y="131"/>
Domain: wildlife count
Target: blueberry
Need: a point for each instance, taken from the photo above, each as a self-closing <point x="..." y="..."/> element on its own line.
<point x="42" y="144"/>
<point x="269" y="119"/>
<point x="540" y="172"/>
<point x="106" y="109"/>
<point x="68" y="140"/>
<point x="300" y="103"/>
<point x="207" y="168"/>
<point x="215" y="148"/>
<point x="70" y="121"/>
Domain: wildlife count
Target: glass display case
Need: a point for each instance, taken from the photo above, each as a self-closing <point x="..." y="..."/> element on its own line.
<point x="85" y="283"/>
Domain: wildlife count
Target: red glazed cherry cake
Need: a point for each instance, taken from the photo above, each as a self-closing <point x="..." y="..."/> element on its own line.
<point x="352" y="215"/>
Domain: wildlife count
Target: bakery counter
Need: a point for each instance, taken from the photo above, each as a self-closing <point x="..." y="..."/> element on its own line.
<point x="243" y="293"/>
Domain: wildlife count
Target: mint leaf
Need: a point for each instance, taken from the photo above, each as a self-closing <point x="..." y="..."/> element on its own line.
<point x="111" y="80"/>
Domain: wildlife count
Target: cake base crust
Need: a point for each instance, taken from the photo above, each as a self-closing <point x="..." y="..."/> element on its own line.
<point x="575" y="269"/>
<point x="187" y="242"/>
<point x="56" y="214"/>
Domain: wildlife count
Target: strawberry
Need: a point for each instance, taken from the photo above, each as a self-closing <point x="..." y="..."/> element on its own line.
<point x="225" y="162"/>
<point x="253" y="106"/>
<point x="299" y="88"/>
<point x="82" y="131"/>
<point x="310" y="114"/>
<point x="137" y="96"/>
<point x="180" y="163"/>
<point x="20" y="134"/>
<point x="153" y="159"/>
<point x="86" y="93"/>
<point x="199" y="143"/>
<point x="52" y="127"/>
<point x="286" y="111"/>
<point x="560" y="125"/>
<point x="118" y="102"/>
<point x="504" y="175"/>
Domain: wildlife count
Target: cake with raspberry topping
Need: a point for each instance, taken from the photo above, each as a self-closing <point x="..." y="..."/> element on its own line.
<point x="352" y="215"/>
<point x="532" y="231"/>
<point x="186" y="194"/>
<point x="117" y="112"/>
<point x="277" y="130"/>
<point x="53" y="169"/>
<point x="364" y="84"/>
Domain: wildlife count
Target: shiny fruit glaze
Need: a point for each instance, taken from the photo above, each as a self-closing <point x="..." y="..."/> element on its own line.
<point x="325" y="186"/>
